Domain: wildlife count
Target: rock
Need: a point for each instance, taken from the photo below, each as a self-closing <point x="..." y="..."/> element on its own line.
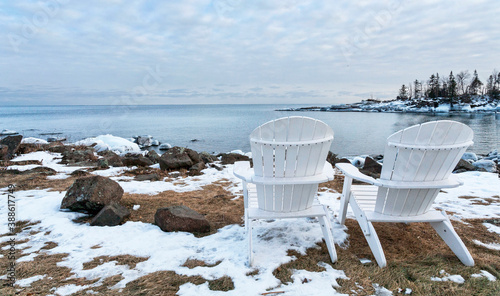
<point x="79" y="157"/>
<point x="56" y="139"/>
<point x="231" y="158"/>
<point x="102" y="163"/>
<point x="111" y="215"/>
<point x="371" y="168"/>
<point x="207" y="157"/>
<point x="112" y="158"/>
<point x="91" y="194"/>
<point x="58" y="147"/>
<point x="178" y="158"/>
<point x="136" y="160"/>
<point x="153" y="156"/>
<point x="471" y="156"/>
<point x="219" y="168"/>
<point x="43" y="170"/>
<point x="358" y="162"/>
<point x="4" y="151"/>
<point x="155" y="143"/>
<point x="463" y="166"/>
<point x="7" y="132"/>
<point x="80" y="173"/>
<point x="486" y="165"/>
<point x="165" y="146"/>
<point x="144" y="141"/>
<point x="493" y="155"/>
<point x="196" y="169"/>
<point x="332" y="158"/>
<point x="25" y="148"/>
<point x="344" y="160"/>
<point x="181" y="218"/>
<point x="12" y="143"/>
<point x="148" y="177"/>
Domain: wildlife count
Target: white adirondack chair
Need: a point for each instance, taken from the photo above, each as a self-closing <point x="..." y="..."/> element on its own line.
<point x="289" y="161"/>
<point x="418" y="162"/>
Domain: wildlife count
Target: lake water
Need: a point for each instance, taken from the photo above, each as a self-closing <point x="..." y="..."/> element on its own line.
<point x="222" y="128"/>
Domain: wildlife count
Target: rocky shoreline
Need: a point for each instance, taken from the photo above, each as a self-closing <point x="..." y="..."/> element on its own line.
<point x="440" y="105"/>
<point x="100" y="196"/>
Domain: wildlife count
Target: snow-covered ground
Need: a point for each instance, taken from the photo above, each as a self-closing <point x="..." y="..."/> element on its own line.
<point x="169" y="251"/>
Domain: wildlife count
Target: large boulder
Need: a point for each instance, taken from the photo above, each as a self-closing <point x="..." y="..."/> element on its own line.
<point x="139" y="160"/>
<point x="4" y="150"/>
<point x="110" y="215"/>
<point x="486" y="165"/>
<point x="463" y="166"/>
<point x="144" y="141"/>
<point x="91" y="194"/>
<point x="179" y="158"/>
<point x="181" y="218"/>
<point x="470" y="156"/>
<point x="153" y="156"/>
<point x="12" y="143"/>
<point x="79" y="157"/>
<point x="112" y="158"/>
<point x="207" y="157"/>
<point x="371" y="168"/>
<point x="231" y="158"/>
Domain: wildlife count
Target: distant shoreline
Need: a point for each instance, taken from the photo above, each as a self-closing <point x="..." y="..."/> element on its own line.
<point x="426" y="106"/>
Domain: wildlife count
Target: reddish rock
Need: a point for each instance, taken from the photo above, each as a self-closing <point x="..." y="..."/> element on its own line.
<point x="91" y="194"/>
<point x="181" y="218"/>
<point x="110" y="215"/>
<point x="178" y="158"/>
<point x="12" y="143"/>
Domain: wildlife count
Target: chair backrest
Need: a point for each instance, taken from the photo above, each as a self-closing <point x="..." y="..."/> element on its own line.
<point x="423" y="152"/>
<point x="289" y="147"/>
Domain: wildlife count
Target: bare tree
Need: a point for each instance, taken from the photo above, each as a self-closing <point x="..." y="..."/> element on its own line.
<point x="462" y="79"/>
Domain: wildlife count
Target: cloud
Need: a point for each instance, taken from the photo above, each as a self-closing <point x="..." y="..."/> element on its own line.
<point x="239" y="48"/>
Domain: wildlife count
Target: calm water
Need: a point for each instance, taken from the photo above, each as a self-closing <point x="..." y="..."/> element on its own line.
<point x="222" y="128"/>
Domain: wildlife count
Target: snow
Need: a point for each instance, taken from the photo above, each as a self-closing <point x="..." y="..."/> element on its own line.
<point x="110" y="142"/>
<point x="48" y="159"/>
<point x="7" y="132"/>
<point x="447" y="277"/>
<point x="31" y="140"/>
<point x="27" y="281"/>
<point x="488" y="165"/>
<point x="471" y="156"/>
<point x="485" y="274"/>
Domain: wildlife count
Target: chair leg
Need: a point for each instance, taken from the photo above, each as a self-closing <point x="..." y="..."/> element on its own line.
<point x="344" y="199"/>
<point x="375" y="246"/>
<point x="326" y="227"/>
<point x="451" y="238"/>
<point x="249" y="237"/>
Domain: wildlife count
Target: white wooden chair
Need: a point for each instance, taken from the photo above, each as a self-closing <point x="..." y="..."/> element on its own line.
<point x="289" y="161"/>
<point x="418" y="162"/>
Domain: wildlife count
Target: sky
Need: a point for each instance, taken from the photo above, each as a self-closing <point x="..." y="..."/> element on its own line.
<point x="235" y="51"/>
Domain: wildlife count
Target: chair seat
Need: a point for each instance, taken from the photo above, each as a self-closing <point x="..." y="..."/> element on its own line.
<point x="366" y="195"/>
<point x="255" y="213"/>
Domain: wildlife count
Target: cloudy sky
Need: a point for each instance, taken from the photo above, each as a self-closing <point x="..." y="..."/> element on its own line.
<point x="236" y="51"/>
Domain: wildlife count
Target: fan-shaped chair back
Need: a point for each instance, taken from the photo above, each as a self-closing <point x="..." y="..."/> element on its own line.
<point x="287" y="150"/>
<point x="421" y="153"/>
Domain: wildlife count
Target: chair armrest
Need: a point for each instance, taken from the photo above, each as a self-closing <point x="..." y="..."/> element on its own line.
<point x="242" y="170"/>
<point x="452" y="182"/>
<point x="351" y="171"/>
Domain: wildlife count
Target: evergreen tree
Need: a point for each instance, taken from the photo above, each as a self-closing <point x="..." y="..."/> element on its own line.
<point x="452" y="88"/>
<point x="475" y="84"/>
<point x="417" y="89"/>
<point x="403" y="93"/>
<point x="492" y="86"/>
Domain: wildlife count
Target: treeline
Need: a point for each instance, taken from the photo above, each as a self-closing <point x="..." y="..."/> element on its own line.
<point x="459" y="88"/>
